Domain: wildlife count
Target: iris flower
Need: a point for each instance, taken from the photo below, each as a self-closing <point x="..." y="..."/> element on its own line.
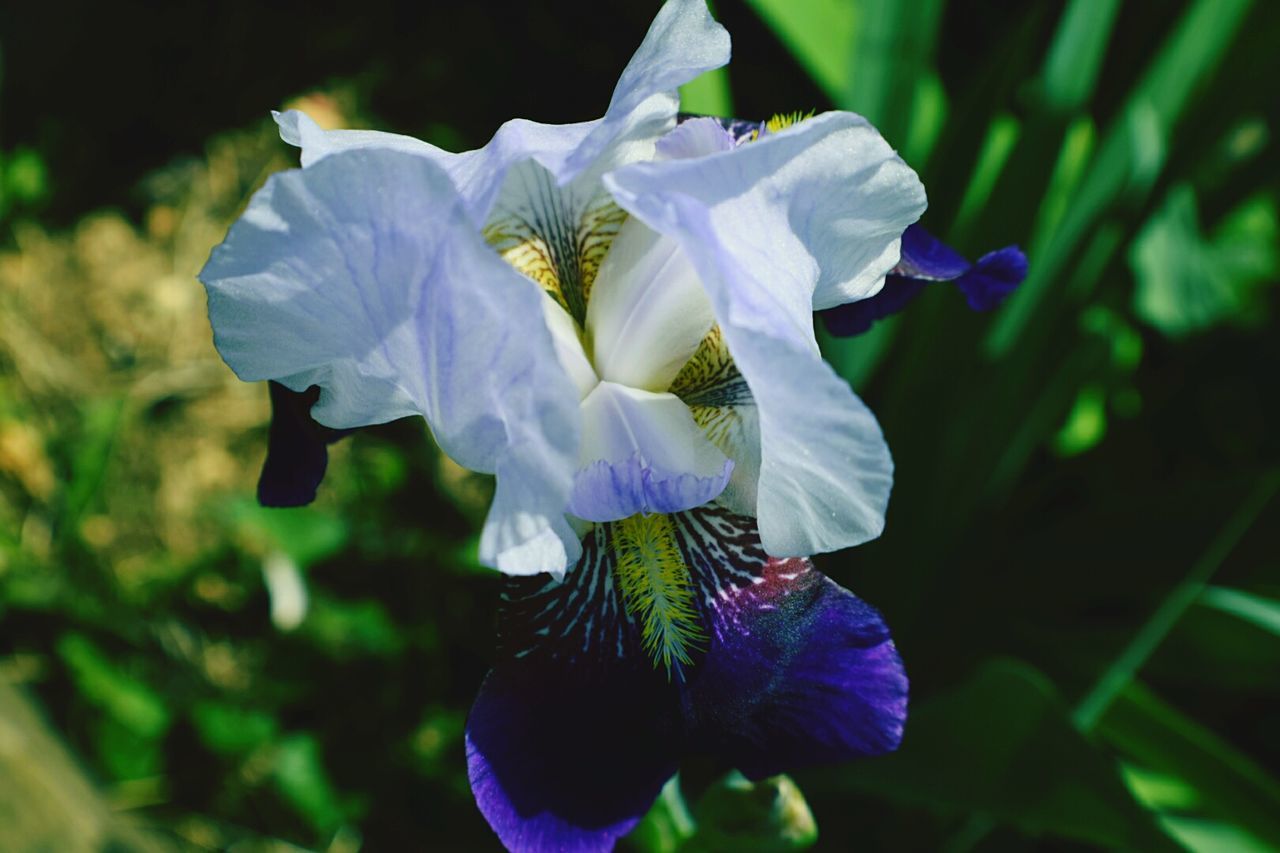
<point x="614" y="318"/>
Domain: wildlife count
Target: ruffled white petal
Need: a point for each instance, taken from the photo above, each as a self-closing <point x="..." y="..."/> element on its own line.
<point x="648" y="311"/>
<point x="683" y="42"/>
<point x="363" y="274"/>
<point x="795" y="219"/>
<point x="642" y="452"/>
<point x="695" y="137"/>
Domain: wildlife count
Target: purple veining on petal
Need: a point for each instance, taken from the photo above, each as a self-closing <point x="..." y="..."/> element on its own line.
<point x="608" y="491"/>
<point x="574" y="731"/>
<point x="799" y="671"/>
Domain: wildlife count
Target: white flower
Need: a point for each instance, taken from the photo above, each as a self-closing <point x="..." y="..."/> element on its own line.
<point x="613" y="317"/>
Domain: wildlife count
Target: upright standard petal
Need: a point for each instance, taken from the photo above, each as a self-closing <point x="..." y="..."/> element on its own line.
<point x="648" y="312"/>
<point x="363" y="275"/>
<point x="810" y="214"/>
<point x="682" y="43"/>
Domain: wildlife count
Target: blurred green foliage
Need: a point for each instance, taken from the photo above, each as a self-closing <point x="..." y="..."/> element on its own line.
<point x="1080" y="564"/>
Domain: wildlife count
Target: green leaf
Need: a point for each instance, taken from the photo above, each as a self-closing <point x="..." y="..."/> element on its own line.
<point x="819" y="34"/>
<point x="1131" y="154"/>
<point x="305" y="533"/>
<point x="346" y="629"/>
<point x="232" y="730"/>
<point x="1086" y="423"/>
<point x="1208" y="836"/>
<point x="666" y="826"/>
<point x="1231" y="786"/>
<point x="100" y="423"/>
<point x="753" y="817"/>
<point x="301" y="778"/>
<point x="1262" y="612"/>
<point x="103" y="682"/>
<point x="1188" y="282"/>
<point x="707" y="94"/>
<point x="1075" y="57"/>
<point x="1003" y="746"/>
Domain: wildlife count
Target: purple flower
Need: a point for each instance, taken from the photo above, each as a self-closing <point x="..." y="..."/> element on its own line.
<point x="985" y="284"/>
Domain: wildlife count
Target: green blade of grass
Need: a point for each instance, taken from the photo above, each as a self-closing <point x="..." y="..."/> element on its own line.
<point x="1131" y="154"/>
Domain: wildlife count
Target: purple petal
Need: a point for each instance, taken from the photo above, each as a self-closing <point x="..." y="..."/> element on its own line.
<point x="854" y="318"/>
<point x="996" y="275"/>
<point x="606" y="491"/>
<point x="574" y="733"/>
<point x="798" y="671"/>
<point x="297" y="449"/>
<point x="925" y="259"/>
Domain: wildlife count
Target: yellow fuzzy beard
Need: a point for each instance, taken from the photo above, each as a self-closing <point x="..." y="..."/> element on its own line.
<point x="782" y="121"/>
<point x="657" y="590"/>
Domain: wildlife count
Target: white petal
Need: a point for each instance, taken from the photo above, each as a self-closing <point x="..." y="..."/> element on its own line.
<point x="573" y="358"/>
<point x="363" y="274"/>
<point x="642" y="452"/>
<point x="682" y="43"/>
<point x="695" y="137"/>
<point x="816" y="208"/>
<point x="648" y="311"/>
<point x="299" y="129"/>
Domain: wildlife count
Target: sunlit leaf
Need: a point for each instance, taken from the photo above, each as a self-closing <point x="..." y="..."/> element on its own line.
<point x="666" y="826"/>
<point x="302" y="780"/>
<point x="769" y="816"/>
<point x="134" y="704"/>
<point x="1075" y="57"/>
<point x="1210" y="836"/>
<point x="1231" y="786"/>
<point x="304" y="533"/>
<point x="1188" y="282"/>
<point x="1086" y="423"/>
<point x="230" y="729"/>
<point x="819" y="33"/>
<point x="1254" y="609"/>
<point x="1140" y="133"/>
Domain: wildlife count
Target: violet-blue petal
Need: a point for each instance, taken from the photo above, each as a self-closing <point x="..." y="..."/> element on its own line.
<point x="798" y="671"/>
<point x="573" y="733"/>
<point x="926" y="259"/>
<point x="854" y="318"/>
<point x="297" y="449"/>
<point x="993" y="278"/>
<point x="801" y="672"/>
